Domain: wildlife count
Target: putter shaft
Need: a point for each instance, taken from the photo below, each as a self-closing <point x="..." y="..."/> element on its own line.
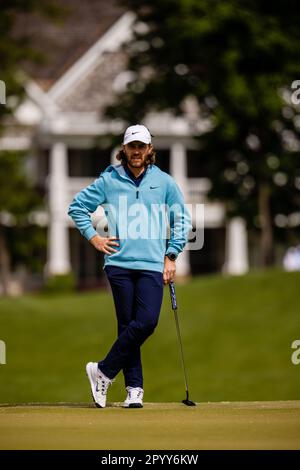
<point x="181" y="352"/>
<point x="174" y="307"/>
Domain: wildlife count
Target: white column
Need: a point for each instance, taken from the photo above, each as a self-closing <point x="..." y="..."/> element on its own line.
<point x="178" y="169"/>
<point x="58" y="236"/>
<point x="236" y="247"/>
<point x="178" y="165"/>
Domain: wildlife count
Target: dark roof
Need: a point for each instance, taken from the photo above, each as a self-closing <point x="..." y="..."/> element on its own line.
<point x="64" y="43"/>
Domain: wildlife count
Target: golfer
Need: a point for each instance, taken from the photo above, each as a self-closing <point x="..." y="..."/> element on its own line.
<point x="139" y="257"/>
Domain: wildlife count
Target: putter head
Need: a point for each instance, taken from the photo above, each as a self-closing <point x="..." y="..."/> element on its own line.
<point x="188" y="402"/>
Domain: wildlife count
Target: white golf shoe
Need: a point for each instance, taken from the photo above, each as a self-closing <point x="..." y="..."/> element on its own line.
<point x="99" y="384"/>
<point x="134" y="397"/>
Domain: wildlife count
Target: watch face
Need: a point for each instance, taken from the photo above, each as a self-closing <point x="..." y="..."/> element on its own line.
<point x="172" y="256"/>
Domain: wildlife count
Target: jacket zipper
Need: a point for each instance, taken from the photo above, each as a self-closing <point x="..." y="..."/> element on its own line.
<point x="129" y="179"/>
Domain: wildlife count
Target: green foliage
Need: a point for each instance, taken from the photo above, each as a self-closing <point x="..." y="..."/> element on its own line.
<point x="60" y="283"/>
<point x="27" y="246"/>
<point x="18" y="197"/>
<point x="17" y="193"/>
<point x="15" y="48"/>
<point x="24" y="241"/>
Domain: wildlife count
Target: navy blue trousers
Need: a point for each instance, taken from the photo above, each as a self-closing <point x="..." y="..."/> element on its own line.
<point x="137" y="297"/>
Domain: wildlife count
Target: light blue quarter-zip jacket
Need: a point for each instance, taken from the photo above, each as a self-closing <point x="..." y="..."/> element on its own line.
<point x="139" y="216"/>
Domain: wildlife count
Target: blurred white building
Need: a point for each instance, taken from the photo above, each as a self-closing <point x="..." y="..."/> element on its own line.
<point x="60" y="123"/>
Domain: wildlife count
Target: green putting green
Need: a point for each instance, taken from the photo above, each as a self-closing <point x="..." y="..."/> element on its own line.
<point x="240" y="425"/>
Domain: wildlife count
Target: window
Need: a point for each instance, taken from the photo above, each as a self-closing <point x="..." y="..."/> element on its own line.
<point x="88" y="162"/>
<point x="211" y="257"/>
<point x="197" y="164"/>
<point x="163" y="159"/>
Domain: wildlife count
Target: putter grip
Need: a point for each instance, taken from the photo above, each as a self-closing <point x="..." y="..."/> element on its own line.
<point x="173" y="295"/>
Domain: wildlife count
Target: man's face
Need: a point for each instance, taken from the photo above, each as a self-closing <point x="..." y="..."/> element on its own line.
<point x="137" y="153"/>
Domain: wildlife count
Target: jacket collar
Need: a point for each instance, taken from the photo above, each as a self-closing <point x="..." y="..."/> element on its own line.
<point x="121" y="171"/>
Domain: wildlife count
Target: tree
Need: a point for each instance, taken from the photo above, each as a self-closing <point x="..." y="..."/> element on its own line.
<point x="18" y="197"/>
<point x="15" y="47"/>
<point x="238" y="59"/>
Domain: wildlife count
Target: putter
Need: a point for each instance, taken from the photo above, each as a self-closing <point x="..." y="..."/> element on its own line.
<point x="174" y="307"/>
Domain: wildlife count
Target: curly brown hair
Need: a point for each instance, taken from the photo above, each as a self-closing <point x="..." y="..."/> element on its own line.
<point x="150" y="160"/>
